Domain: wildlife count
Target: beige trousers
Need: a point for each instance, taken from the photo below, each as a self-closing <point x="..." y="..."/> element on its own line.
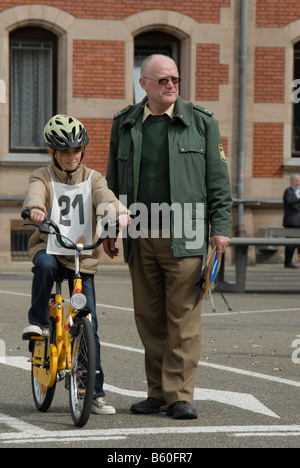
<point x="168" y="317"/>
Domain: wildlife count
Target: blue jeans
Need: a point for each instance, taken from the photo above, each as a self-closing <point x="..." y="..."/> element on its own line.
<point x="46" y="267"/>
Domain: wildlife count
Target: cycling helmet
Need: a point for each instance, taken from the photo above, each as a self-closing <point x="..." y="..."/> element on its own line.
<point x="63" y="132"/>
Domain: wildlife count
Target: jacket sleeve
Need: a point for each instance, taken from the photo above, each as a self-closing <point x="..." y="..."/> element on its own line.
<point x="36" y="193"/>
<point x="217" y="182"/>
<point x="112" y="164"/>
<point x="104" y="199"/>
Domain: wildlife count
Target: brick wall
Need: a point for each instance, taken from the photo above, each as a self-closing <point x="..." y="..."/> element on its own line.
<point x="210" y="73"/>
<point x="269" y="74"/>
<point x="276" y="13"/>
<point x="99" y="69"/>
<point x="98" y="147"/>
<point x="268" y="150"/>
<point x="204" y="11"/>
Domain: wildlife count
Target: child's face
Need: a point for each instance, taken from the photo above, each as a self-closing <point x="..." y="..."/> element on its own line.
<point x="69" y="159"/>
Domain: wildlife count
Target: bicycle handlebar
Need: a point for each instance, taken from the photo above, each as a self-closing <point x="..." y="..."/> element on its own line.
<point x="45" y="229"/>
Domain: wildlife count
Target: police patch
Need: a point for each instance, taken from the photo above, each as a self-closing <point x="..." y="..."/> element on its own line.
<point x="222" y="153"/>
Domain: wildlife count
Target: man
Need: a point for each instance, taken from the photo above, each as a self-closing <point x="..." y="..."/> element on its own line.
<point x="165" y="151"/>
<point x="291" y="200"/>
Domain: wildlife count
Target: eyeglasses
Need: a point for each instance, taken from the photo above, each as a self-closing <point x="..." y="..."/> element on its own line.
<point x="165" y="81"/>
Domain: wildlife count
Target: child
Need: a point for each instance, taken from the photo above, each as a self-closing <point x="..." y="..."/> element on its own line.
<point x="69" y="193"/>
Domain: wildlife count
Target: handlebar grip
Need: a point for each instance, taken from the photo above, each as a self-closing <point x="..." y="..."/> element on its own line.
<point x="25" y="214"/>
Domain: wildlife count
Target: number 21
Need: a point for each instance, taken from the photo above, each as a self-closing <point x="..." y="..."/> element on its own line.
<point x="65" y="203"/>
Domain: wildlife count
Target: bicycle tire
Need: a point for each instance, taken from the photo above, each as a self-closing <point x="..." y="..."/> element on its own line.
<point x="82" y="377"/>
<point x="43" y="396"/>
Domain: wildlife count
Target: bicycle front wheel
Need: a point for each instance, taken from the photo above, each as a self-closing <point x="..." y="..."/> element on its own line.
<point x="82" y="377"/>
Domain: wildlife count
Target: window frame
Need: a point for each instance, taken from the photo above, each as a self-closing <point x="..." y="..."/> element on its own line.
<point x="153" y="42"/>
<point x="34" y="35"/>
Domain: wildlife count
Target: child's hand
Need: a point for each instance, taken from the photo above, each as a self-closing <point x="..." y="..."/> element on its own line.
<point x="37" y="216"/>
<point x="124" y="220"/>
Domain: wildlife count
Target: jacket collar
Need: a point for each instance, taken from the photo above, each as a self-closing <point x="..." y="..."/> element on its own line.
<point x="183" y="112"/>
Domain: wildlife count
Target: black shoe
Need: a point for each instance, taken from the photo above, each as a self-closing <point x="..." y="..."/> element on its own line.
<point x="290" y="265"/>
<point x="149" y="406"/>
<point x="182" y="410"/>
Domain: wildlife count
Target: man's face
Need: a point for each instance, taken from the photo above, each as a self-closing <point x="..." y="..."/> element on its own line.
<point x="296" y="182"/>
<point x="160" y="95"/>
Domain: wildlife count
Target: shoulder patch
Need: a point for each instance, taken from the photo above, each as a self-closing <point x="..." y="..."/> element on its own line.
<point x="202" y="109"/>
<point x="122" y="112"/>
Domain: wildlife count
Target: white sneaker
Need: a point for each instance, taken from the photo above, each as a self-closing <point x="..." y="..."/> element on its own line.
<point x="34" y="330"/>
<point x="101" y="407"/>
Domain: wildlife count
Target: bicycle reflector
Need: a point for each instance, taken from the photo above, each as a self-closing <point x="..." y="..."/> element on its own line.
<point x="78" y="301"/>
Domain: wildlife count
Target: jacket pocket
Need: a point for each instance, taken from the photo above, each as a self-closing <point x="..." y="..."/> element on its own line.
<point x="192" y="146"/>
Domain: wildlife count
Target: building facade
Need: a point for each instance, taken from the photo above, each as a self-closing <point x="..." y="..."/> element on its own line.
<point x="83" y="59"/>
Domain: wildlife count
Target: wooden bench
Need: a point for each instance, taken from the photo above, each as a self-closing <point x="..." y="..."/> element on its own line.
<point x="274" y="237"/>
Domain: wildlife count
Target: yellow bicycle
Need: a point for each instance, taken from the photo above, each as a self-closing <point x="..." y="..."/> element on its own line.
<point x="67" y="351"/>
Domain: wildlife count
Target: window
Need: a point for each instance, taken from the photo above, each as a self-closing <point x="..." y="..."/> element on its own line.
<point x="33" y="70"/>
<point x="154" y="42"/>
<point x="296" y="105"/>
<point x="19" y="244"/>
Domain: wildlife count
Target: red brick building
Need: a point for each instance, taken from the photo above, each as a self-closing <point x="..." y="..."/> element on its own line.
<point x="83" y="58"/>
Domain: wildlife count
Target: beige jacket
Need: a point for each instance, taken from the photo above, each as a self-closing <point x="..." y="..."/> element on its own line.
<point x="40" y="195"/>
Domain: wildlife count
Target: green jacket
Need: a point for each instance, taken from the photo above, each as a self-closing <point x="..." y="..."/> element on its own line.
<point x="199" y="181"/>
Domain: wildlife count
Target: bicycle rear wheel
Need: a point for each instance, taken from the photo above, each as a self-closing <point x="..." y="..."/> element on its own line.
<point x="42" y="395"/>
<point x="82" y="377"/>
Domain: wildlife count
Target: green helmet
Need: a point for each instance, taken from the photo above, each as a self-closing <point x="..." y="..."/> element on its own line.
<point x="63" y="132"/>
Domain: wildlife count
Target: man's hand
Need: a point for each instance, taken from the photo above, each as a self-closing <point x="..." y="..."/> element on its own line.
<point x="221" y="242"/>
<point x="109" y="247"/>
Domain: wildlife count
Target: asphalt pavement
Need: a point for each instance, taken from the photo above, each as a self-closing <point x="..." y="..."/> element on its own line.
<point x="247" y="385"/>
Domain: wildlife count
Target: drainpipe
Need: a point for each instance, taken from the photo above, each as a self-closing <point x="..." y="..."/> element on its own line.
<point x="242" y="114"/>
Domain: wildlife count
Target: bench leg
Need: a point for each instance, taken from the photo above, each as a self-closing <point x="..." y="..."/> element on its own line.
<point x="241" y="258"/>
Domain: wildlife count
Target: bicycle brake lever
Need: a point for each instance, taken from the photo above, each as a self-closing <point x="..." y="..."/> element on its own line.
<point x="43" y="228"/>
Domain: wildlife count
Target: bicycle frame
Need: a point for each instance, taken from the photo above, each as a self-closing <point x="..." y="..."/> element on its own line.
<point x="49" y="358"/>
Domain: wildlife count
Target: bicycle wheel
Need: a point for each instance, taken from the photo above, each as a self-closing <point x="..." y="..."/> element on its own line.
<point x="42" y="395"/>
<point x="82" y="377"/>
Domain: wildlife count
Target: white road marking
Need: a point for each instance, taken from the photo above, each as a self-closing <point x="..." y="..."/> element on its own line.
<point x="239" y="400"/>
<point x="212" y="314"/>
<point x="271" y="378"/>
<point x="28" y="434"/>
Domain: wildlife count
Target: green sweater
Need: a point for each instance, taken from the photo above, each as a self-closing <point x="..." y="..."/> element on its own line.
<point x="154" y="182"/>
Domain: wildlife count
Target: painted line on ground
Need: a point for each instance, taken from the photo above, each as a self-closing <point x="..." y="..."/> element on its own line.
<point x="30" y="434"/>
<point x="213" y="314"/>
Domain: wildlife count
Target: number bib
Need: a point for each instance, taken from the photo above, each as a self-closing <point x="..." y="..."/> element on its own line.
<point x="72" y="211"/>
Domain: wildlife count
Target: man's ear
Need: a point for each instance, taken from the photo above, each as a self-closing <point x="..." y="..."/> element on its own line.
<point x="143" y="83"/>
